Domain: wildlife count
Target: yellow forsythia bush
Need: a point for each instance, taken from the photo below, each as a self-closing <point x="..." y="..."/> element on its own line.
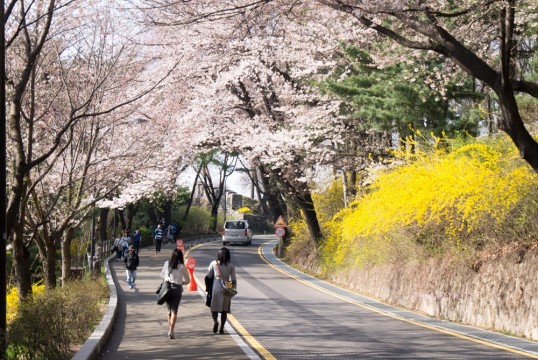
<point x="12" y="300"/>
<point x="244" y="210"/>
<point x="457" y="199"/>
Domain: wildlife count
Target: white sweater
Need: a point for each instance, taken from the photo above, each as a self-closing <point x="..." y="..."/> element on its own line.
<point x="179" y="276"/>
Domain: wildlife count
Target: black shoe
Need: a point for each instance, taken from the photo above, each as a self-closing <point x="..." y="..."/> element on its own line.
<point x="215" y="327"/>
<point x="221" y="330"/>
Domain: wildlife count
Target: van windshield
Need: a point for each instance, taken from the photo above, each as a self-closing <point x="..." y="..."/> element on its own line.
<point x="234" y="225"/>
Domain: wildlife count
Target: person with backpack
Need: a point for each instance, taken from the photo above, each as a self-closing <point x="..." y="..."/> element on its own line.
<point x="125" y="242"/>
<point x="158" y="235"/>
<point x="118" y="248"/>
<point x="131" y="261"/>
<point x="170" y="233"/>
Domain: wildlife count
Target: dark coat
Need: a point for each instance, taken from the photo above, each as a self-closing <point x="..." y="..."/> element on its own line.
<point x="131" y="260"/>
<point x="209" y="290"/>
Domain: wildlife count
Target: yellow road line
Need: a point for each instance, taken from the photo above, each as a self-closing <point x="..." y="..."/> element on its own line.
<point x="370" y="308"/>
<point x="251" y="340"/>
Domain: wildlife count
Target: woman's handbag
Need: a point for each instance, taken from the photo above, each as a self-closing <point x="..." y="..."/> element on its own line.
<point x="227" y="287"/>
<point x="209" y="290"/>
<point x="163" y="290"/>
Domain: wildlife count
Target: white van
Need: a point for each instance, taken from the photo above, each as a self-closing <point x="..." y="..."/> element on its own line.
<point x="236" y="231"/>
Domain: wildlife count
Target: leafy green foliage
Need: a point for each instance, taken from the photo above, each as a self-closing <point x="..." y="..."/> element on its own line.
<point x="198" y="221"/>
<point x="401" y="96"/>
<point x="52" y="323"/>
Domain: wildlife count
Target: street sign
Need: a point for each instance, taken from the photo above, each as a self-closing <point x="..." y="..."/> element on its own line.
<point x="190" y="262"/>
<point x="280" y="223"/>
<point x="280" y="232"/>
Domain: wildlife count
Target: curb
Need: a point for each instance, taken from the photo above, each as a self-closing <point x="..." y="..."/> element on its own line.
<point x="98" y="339"/>
<point x="92" y="347"/>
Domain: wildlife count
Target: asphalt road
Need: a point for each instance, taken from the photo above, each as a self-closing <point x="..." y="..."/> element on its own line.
<point x="285" y="316"/>
<point x="281" y="313"/>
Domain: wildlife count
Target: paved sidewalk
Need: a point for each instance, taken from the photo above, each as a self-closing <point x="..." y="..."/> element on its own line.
<point x="140" y="328"/>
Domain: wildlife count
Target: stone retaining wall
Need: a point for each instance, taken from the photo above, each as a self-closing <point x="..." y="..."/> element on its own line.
<point x="498" y="292"/>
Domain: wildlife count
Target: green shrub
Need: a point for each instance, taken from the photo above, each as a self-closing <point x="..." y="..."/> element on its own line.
<point x="147" y="236"/>
<point x="198" y="221"/>
<point x="51" y="325"/>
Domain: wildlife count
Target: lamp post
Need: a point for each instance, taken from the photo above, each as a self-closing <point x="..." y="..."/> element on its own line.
<point x="224" y="199"/>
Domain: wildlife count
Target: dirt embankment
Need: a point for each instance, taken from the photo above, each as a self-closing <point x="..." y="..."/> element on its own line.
<point x="497" y="291"/>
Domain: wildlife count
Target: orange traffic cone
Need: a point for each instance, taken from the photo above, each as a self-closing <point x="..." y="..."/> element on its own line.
<point x="191" y="262"/>
<point x="192" y="284"/>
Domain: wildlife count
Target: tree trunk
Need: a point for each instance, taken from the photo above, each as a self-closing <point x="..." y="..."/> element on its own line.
<point x="168" y="212"/>
<point x="49" y="264"/>
<point x="299" y="194"/>
<point x="193" y="191"/>
<point x="214" y="216"/>
<point x="103" y="221"/>
<point x="21" y="263"/>
<point x="352" y="185"/>
<point x="67" y="237"/>
<point x="306" y="204"/>
<point x="121" y="218"/>
<point x="132" y="209"/>
<point x="263" y="197"/>
<point x="513" y="125"/>
<point x="103" y="231"/>
<point x="153" y="215"/>
<point x="273" y="195"/>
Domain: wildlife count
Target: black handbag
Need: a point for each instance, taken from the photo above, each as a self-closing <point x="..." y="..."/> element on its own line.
<point x="163" y="291"/>
<point x="209" y="290"/>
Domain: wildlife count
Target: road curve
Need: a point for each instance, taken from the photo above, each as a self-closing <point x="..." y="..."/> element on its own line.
<point x="285" y="314"/>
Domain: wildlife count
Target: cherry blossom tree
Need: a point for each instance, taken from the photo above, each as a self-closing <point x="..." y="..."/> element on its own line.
<point x="223" y="165"/>
<point x="74" y="93"/>
<point x="251" y="98"/>
<point x="482" y="38"/>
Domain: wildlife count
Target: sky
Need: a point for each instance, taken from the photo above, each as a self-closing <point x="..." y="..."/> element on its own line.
<point x="237" y="182"/>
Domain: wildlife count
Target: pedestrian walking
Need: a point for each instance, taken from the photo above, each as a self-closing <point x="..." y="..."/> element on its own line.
<point x="174" y="270"/>
<point x="170" y="233"/>
<point x="137" y="238"/>
<point x="118" y="248"/>
<point x="158" y="235"/>
<point x="220" y="271"/>
<point x="131" y="261"/>
<point x="125" y="242"/>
